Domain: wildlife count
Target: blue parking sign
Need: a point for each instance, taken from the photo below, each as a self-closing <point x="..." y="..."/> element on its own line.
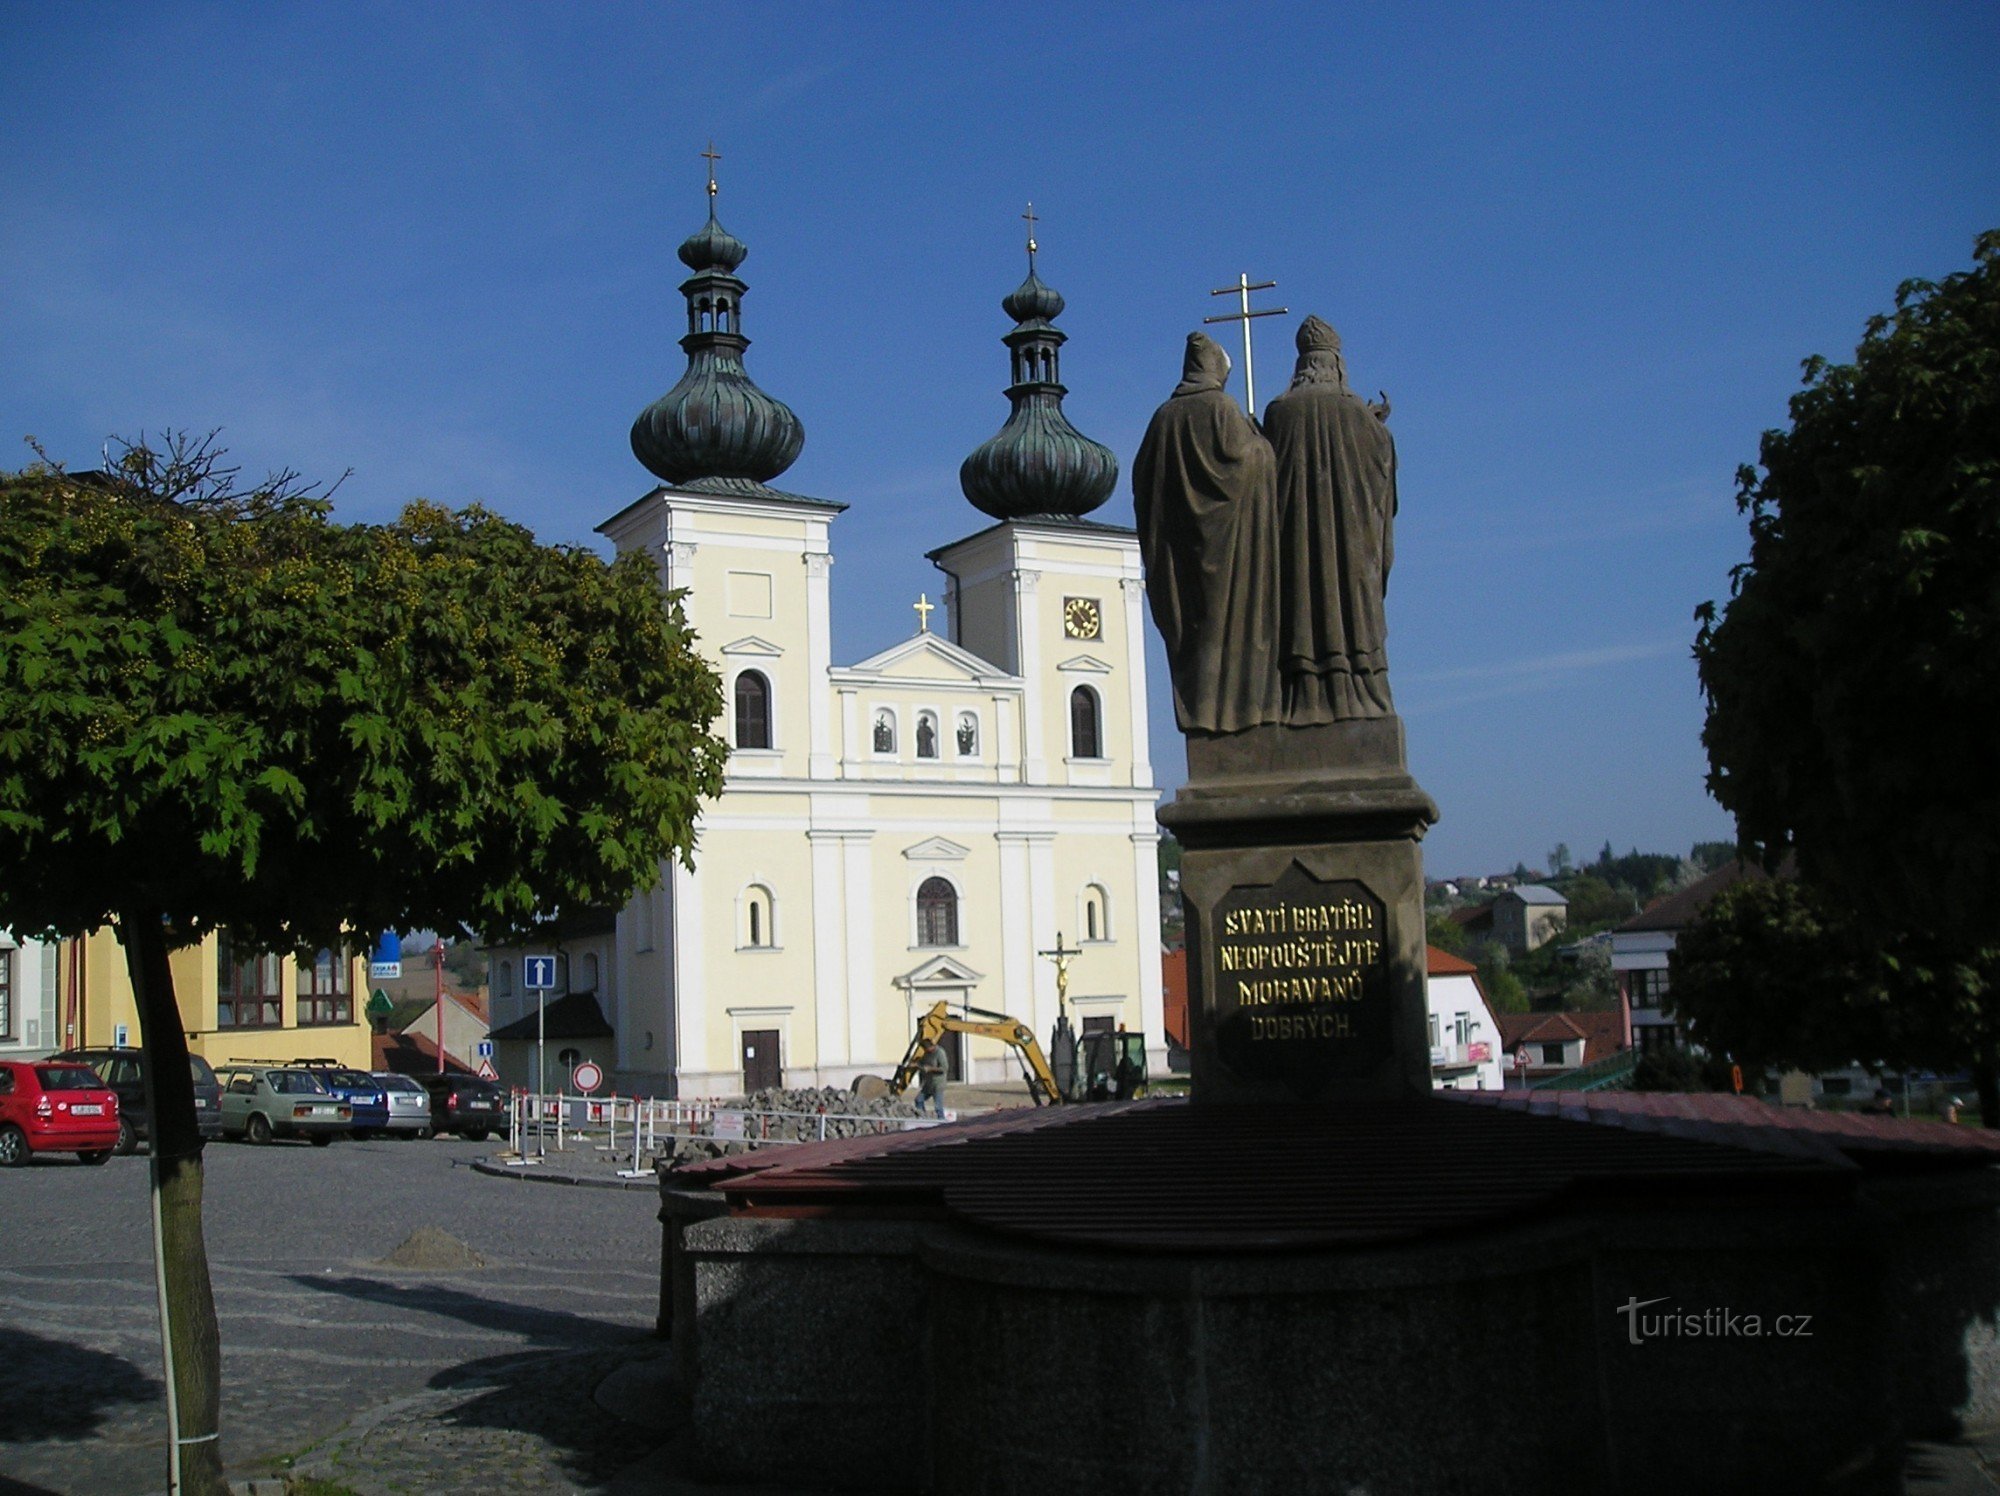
<point x="538" y="973"/>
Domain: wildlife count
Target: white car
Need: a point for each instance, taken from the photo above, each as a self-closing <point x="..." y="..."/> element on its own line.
<point x="409" y="1104"/>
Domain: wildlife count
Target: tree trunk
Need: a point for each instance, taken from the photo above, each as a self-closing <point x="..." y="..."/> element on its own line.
<point x="1986" y="1077"/>
<point x="187" y="1303"/>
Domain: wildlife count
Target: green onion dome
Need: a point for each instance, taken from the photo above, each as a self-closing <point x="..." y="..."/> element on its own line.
<point x="1038" y="463"/>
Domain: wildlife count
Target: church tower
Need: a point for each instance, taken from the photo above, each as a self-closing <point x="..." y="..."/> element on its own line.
<point x="1058" y="600"/>
<point x="1048" y="594"/>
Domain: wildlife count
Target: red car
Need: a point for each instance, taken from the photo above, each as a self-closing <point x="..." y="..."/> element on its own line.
<point x="49" y="1106"/>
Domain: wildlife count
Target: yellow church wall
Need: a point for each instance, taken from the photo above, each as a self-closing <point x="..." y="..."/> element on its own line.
<point x="747" y="985"/>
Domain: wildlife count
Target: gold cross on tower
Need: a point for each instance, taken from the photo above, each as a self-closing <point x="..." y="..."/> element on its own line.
<point x="1032" y="221"/>
<point x="925" y="607"/>
<point x="1242" y="289"/>
<point x="1062" y="955"/>
<point x="712" y="156"/>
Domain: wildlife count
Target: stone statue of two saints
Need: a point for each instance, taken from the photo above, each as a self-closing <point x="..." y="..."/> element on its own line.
<point x="1268" y="548"/>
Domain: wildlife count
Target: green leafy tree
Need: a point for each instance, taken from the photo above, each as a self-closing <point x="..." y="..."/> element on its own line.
<point x="220" y="708"/>
<point x="1444" y="932"/>
<point x="1497" y="980"/>
<point x="1560" y="860"/>
<point x="1775" y="974"/>
<point x="1861" y="644"/>
<point x="1592" y="901"/>
<point x="1710" y="855"/>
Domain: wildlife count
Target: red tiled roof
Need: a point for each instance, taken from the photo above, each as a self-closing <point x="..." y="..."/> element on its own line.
<point x="1472" y="915"/>
<point x="1165" y="1175"/>
<point x="1603" y="1034"/>
<point x="1678" y="910"/>
<point x="1444" y="964"/>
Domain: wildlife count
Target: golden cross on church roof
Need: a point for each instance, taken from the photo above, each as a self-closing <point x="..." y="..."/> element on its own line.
<point x="712" y="156"/>
<point x="1032" y="221"/>
<point x="925" y="607"/>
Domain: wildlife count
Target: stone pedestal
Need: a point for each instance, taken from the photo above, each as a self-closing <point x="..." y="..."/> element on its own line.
<point x="1303" y="891"/>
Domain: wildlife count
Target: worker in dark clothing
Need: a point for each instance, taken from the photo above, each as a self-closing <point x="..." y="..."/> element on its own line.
<point x="931" y="1069"/>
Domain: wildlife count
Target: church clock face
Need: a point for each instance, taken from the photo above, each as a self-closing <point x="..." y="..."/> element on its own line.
<point x="1082" y="617"/>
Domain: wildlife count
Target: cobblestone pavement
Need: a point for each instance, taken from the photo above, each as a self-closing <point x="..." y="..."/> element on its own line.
<point x="317" y="1330"/>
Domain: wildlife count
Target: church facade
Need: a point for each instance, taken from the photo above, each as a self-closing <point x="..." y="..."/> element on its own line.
<point x="916" y="827"/>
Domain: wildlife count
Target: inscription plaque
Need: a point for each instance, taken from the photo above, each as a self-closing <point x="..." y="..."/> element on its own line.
<point x="1299" y="982"/>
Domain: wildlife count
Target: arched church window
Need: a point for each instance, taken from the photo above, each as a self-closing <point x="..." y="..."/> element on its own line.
<point x="937" y="912"/>
<point x="503" y="979"/>
<point x="757" y="929"/>
<point x="968" y="735"/>
<point x="586" y="974"/>
<point x="753" y="710"/>
<point x="1096" y="913"/>
<point x="927" y="742"/>
<point x="885" y="731"/>
<point x="1086" y="739"/>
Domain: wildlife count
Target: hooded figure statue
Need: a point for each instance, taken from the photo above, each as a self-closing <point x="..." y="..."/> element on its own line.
<point x="1336" y="517"/>
<point x="1202" y="487"/>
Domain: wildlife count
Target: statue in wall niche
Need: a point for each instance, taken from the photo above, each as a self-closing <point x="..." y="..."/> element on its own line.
<point x="1203" y="487"/>
<point x="1336" y="524"/>
<point x="1268" y="549"/>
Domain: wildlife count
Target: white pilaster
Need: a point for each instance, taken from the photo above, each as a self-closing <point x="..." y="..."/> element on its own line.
<point x="830" y="931"/>
<point x="1134" y="589"/>
<point x="819" y="659"/>
<point x="1028" y="651"/>
<point x="690" y="995"/>
<point x="1144" y="928"/>
<point x="858" y="889"/>
<point x="1042" y="900"/>
<point x="1017" y="935"/>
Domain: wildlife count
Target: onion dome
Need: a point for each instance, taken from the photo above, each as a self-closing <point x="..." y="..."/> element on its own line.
<point x="715" y="423"/>
<point x="1038" y="464"/>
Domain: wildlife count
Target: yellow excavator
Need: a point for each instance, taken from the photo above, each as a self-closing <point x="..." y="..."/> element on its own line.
<point x="1107" y="1065"/>
<point x="940" y="1021"/>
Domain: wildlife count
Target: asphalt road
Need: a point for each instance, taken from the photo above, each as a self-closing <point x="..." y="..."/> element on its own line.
<point x="316" y="1328"/>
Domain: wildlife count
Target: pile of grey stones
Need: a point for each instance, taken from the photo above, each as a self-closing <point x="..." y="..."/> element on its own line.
<point x="794" y="1116"/>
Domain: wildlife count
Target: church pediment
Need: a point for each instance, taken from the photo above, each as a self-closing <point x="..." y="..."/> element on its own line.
<point x="940" y="971"/>
<point x="1085" y="665"/>
<point x="937" y="849"/>
<point x="750" y="644"/>
<point x="929" y="658"/>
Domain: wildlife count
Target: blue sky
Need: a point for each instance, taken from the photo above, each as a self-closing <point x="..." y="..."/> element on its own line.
<point x="1584" y="249"/>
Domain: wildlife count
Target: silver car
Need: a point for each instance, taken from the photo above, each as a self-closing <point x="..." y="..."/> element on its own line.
<point x="261" y="1102"/>
<point x="409" y="1104"/>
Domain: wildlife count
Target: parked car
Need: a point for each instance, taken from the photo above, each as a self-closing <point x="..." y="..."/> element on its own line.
<point x="51" y="1106"/>
<point x="409" y="1104"/>
<point x="261" y="1102"/>
<point x="465" y="1104"/>
<point x="357" y="1088"/>
<point x="124" y="1070"/>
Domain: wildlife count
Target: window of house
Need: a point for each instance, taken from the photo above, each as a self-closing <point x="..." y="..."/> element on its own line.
<point x="503" y="979"/>
<point x="1085" y="738"/>
<point x="6" y="994"/>
<point x="1459" y="1027"/>
<point x="757" y="910"/>
<point x="246" y="987"/>
<point x="1648" y="988"/>
<point x="927" y="735"/>
<point x="325" y="992"/>
<point x="885" y="731"/>
<point x="1552" y="1054"/>
<point x="753" y="710"/>
<point x="586" y="970"/>
<point x="937" y="912"/>
<point x="968" y="735"/>
<point x="1434" y="1031"/>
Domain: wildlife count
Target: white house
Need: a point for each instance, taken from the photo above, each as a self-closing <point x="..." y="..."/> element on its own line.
<point x="1466" y="1053"/>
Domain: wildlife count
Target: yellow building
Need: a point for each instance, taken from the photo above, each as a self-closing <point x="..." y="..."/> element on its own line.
<point x="915" y="827"/>
<point x="236" y="1005"/>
